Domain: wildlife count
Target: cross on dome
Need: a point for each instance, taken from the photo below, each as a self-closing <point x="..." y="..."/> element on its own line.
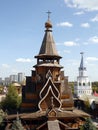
<point x="48" y="14"/>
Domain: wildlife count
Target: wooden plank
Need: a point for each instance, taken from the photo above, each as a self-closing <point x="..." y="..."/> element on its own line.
<point x="53" y="125"/>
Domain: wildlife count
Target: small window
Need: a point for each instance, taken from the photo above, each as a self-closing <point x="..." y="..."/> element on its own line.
<point x="83" y="84"/>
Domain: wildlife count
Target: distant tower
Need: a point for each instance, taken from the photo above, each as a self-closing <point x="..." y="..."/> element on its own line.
<point x="82" y="85"/>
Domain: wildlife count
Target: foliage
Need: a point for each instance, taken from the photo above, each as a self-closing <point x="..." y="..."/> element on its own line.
<point x="2" y="115"/>
<point x="87" y="104"/>
<point x="95" y="86"/>
<point x="1" y="89"/>
<point x="12" y="100"/>
<point x="88" y="125"/>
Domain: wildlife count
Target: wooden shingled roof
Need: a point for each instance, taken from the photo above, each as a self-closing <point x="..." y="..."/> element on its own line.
<point x="48" y="47"/>
<point x="60" y="114"/>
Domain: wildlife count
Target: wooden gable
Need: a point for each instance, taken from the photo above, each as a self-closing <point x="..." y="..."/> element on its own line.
<point x="46" y="87"/>
<point x="46" y="101"/>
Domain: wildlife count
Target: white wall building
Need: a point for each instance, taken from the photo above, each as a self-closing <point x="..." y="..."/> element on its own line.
<point x="82" y="85"/>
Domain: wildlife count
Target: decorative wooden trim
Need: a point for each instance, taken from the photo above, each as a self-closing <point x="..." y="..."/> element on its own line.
<point x="49" y="79"/>
<point x="50" y="89"/>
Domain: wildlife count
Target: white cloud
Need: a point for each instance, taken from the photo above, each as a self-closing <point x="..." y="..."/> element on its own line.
<point x="88" y="5"/>
<point x="65" y="24"/>
<point x="5" y="66"/>
<point x="95" y="19"/>
<point x="70" y="43"/>
<point x="85" y="25"/>
<point x="79" y="13"/>
<point x="92" y="58"/>
<point x="24" y="60"/>
<point x="94" y="39"/>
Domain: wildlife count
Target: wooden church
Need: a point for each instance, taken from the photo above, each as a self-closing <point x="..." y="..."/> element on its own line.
<point x="47" y="85"/>
<point x="47" y="102"/>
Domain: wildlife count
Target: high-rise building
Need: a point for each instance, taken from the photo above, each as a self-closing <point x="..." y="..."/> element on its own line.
<point x="7" y="81"/>
<point x="21" y="77"/>
<point x="0" y="81"/>
<point x="13" y="78"/>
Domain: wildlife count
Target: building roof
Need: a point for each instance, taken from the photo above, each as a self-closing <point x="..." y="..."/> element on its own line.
<point x="60" y="114"/>
<point x="50" y="65"/>
<point x="48" y="47"/>
<point x="82" y="63"/>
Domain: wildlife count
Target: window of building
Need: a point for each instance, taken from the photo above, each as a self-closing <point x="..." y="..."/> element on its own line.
<point x="83" y="84"/>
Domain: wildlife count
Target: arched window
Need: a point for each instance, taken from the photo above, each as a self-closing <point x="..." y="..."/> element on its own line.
<point x="83" y="84"/>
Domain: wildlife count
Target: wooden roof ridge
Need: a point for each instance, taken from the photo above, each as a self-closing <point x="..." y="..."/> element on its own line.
<point x="59" y="114"/>
<point x="81" y="113"/>
<point x="45" y="87"/>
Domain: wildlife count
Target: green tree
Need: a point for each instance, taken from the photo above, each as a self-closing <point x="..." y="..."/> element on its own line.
<point x="1" y="89"/>
<point x="12" y="100"/>
<point x="88" y="125"/>
<point x="87" y="104"/>
<point x="95" y="86"/>
<point x="2" y="116"/>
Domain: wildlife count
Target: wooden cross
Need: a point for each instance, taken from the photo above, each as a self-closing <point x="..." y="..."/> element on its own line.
<point x="48" y="14"/>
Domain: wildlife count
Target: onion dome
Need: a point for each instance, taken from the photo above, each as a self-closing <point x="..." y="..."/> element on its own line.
<point x="48" y="24"/>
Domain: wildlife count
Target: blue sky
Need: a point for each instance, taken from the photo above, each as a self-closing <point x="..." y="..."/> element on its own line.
<point x="75" y="29"/>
